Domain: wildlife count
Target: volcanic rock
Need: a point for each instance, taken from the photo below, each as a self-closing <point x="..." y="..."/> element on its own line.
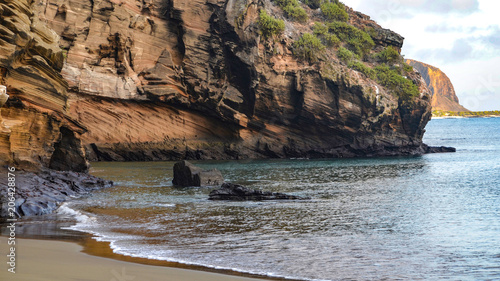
<point x="440" y="149"/>
<point x="236" y="192"/>
<point x="176" y="80"/>
<point x="187" y="174"/>
<point x="43" y="192"/>
<point x="173" y="80"/>
<point x="38" y="132"/>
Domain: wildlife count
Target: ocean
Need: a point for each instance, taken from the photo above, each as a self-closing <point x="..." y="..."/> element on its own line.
<point x="433" y="217"/>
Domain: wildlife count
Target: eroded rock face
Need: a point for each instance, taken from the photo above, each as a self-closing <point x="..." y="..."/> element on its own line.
<point x="443" y="92"/>
<point x="35" y="114"/>
<point x="165" y="80"/>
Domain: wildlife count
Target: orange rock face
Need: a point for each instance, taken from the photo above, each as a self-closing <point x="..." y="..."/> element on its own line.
<point x="443" y="93"/>
<point x="161" y="80"/>
<point x="37" y="131"/>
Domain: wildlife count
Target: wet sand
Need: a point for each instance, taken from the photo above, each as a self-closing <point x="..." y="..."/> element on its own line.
<point x="48" y="260"/>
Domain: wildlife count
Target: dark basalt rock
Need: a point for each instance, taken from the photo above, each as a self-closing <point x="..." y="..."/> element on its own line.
<point x="236" y="192"/>
<point x="440" y="149"/>
<point x="187" y="174"/>
<point x="42" y="193"/>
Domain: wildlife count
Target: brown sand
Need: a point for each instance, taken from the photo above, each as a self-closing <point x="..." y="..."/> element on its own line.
<point x="44" y="260"/>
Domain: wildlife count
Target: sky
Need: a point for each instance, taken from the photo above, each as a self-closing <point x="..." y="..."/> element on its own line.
<point x="460" y="37"/>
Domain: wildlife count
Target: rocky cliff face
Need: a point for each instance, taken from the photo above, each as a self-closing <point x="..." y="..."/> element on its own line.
<point x="36" y="132"/>
<point x="170" y="79"/>
<point x="443" y="93"/>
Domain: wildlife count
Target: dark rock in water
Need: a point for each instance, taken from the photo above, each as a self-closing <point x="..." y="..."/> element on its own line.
<point x="236" y="192"/>
<point x="42" y="193"/>
<point x="440" y="149"/>
<point x="187" y="174"/>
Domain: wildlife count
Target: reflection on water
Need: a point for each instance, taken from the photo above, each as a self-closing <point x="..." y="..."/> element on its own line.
<point x="433" y="217"/>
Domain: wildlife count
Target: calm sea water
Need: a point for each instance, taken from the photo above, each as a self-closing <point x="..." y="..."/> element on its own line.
<point x="435" y="217"/>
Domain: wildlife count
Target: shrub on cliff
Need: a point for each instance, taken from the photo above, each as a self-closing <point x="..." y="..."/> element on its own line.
<point x="284" y="3"/>
<point x="270" y="26"/>
<point x="321" y="31"/>
<point x="345" y="55"/>
<point x="391" y="79"/>
<point x="313" y="4"/>
<point x="371" y="31"/>
<point x="407" y="68"/>
<point x="331" y="40"/>
<point x="308" y="47"/>
<point x="296" y="13"/>
<point x="389" y="55"/>
<point x="357" y="40"/>
<point x="334" y="11"/>
<point x="293" y="10"/>
<point x="361" y="67"/>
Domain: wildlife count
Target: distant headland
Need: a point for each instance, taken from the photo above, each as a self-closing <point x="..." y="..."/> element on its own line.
<point x="464" y="114"/>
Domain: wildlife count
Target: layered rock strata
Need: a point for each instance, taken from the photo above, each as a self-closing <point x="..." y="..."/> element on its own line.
<point x="37" y="132"/>
<point x="165" y="80"/>
<point x="37" y="135"/>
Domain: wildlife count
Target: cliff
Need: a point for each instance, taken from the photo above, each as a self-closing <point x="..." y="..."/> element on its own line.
<point x="172" y="79"/>
<point x="37" y="131"/>
<point x="443" y="93"/>
<point x="37" y="134"/>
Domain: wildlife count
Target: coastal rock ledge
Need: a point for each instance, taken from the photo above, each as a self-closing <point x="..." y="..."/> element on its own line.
<point x="42" y="193"/>
<point x="236" y="192"/>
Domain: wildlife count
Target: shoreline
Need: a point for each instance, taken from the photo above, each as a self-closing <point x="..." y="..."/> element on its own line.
<point x="464" y="117"/>
<point x="88" y="259"/>
<point x="51" y="228"/>
<point x="102" y="249"/>
<point x="55" y="227"/>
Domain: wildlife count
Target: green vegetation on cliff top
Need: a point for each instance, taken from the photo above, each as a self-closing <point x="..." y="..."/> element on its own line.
<point x="391" y="78"/>
<point x="293" y="10"/>
<point x="308" y="47"/>
<point x="270" y="26"/>
<point x="334" y="11"/>
<point x="354" y="47"/>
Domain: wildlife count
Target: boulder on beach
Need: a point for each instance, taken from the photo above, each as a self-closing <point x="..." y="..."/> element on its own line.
<point x="187" y="174"/>
<point x="237" y="192"/>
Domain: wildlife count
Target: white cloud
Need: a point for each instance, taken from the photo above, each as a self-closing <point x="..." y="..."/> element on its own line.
<point x="477" y="83"/>
<point x="409" y="8"/>
<point x="460" y="51"/>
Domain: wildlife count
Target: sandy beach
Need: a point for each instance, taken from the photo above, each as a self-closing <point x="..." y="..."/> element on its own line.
<point x="45" y="260"/>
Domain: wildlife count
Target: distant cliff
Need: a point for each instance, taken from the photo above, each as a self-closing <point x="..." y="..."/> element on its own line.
<point x="443" y="93"/>
<point x="171" y="79"/>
